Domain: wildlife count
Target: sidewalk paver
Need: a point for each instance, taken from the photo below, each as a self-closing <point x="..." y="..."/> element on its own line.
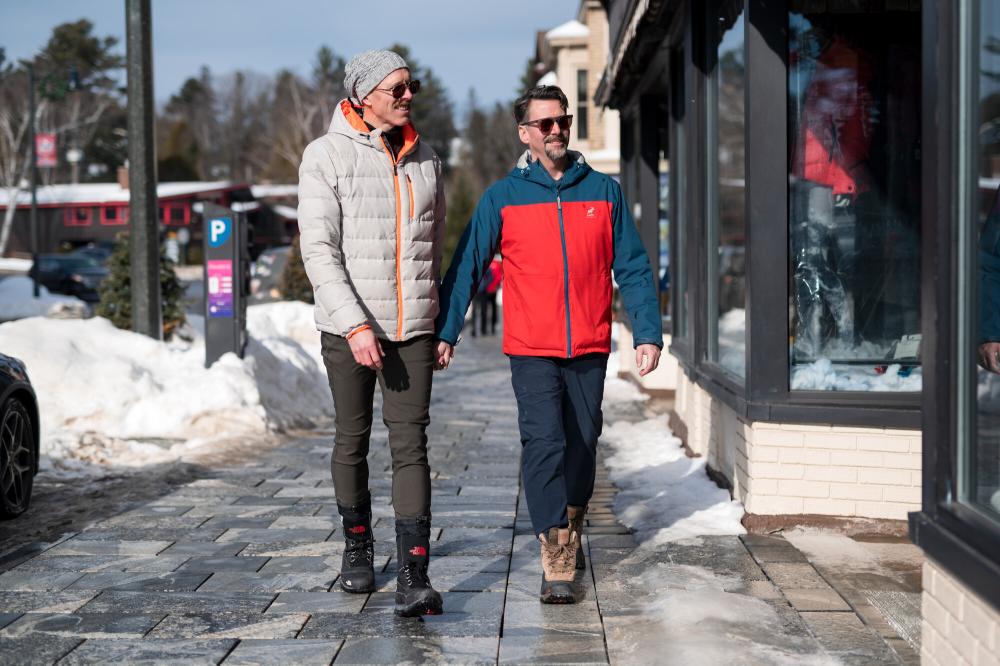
<point x="241" y="567"/>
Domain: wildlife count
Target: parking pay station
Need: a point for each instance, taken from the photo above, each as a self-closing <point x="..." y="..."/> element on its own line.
<point x="227" y="282"/>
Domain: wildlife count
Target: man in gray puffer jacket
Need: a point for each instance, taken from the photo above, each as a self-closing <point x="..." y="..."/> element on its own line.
<point x="372" y="218"/>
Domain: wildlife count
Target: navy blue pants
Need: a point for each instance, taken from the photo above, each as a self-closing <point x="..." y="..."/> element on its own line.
<point x="559" y="415"/>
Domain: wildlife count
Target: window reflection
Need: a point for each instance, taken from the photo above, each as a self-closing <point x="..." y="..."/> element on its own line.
<point x="981" y="457"/>
<point x="854" y="198"/>
<point x="727" y="230"/>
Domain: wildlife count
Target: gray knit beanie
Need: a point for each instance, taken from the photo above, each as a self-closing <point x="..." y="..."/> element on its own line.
<point x="366" y="70"/>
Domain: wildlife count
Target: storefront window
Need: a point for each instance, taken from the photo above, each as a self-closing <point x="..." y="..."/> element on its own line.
<point x="854" y="197"/>
<point x="979" y="478"/>
<point x="727" y="210"/>
<point x="677" y="189"/>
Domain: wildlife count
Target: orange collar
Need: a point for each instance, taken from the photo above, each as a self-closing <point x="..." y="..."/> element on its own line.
<point x="410" y="135"/>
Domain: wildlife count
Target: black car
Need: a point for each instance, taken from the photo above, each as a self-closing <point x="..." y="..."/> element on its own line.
<point x="79" y="276"/>
<point x="19" y="437"/>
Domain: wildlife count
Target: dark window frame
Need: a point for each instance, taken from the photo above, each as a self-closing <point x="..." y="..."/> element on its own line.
<point x="582" y="104"/>
<point x="765" y="393"/>
<point x="953" y="534"/>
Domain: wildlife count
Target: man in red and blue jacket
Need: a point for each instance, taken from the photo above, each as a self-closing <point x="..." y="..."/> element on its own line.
<point x="562" y="229"/>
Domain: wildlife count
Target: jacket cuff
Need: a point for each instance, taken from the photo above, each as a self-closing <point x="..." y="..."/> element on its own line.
<point x="357" y="329"/>
<point x="637" y="342"/>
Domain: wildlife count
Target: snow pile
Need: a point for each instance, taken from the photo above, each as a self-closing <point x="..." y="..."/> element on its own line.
<point x="17" y="265"/>
<point x="17" y="301"/>
<point x="105" y="394"/>
<point x="663" y="494"/>
<point x="823" y="375"/>
<point x="733" y="341"/>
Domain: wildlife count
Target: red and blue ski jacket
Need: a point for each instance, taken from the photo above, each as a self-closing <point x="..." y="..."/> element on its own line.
<point x="560" y="242"/>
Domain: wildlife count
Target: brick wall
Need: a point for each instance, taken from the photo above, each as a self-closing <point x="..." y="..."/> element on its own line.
<point x="782" y="468"/>
<point x="959" y="628"/>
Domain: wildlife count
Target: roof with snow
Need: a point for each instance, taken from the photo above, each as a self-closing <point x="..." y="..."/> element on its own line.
<point x="109" y="192"/>
<point x="262" y="191"/>
<point x="569" y="29"/>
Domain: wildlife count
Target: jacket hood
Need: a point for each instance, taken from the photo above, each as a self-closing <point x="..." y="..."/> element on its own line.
<point x="530" y="169"/>
<point x="347" y="122"/>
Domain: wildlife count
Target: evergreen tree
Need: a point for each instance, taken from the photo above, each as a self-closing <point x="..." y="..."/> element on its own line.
<point x="294" y="283"/>
<point x="116" y="290"/>
<point x="461" y="205"/>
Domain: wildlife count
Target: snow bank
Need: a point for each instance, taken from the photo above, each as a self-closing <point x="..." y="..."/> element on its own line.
<point x="823" y="375"/>
<point x="17" y="301"/>
<point x="114" y="397"/>
<point x="663" y="494"/>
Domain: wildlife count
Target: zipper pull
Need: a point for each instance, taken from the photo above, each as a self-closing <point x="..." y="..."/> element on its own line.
<point x="558" y="202"/>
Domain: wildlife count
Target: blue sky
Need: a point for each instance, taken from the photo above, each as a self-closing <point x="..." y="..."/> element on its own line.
<point x="470" y="43"/>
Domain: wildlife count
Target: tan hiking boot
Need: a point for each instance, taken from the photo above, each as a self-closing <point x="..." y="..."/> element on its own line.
<point x="558" y="566"/>
<point x="576" y="515"/>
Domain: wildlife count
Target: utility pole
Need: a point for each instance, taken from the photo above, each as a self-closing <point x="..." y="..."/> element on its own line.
<point x="34" y="175"/>
<point x="144" y="235"/>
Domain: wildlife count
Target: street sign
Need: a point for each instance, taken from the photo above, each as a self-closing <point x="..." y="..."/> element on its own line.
<point x="45" y="149"/>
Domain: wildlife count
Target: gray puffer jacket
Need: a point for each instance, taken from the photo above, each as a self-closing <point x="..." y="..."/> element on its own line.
<point x="372" y="230"/>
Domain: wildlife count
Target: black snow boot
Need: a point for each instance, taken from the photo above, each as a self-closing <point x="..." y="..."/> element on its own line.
<point x="357" y="567"/>
<point x="414" y="594"/>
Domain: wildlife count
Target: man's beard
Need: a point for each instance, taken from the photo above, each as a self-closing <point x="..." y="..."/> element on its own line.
<point x="556" y="151"/>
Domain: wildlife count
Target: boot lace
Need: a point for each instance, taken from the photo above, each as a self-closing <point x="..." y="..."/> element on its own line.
<point x="360" y="552"/>
<point x="414" y="575"/>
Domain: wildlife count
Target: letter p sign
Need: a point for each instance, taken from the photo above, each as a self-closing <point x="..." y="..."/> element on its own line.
<point x="219" y="230"/>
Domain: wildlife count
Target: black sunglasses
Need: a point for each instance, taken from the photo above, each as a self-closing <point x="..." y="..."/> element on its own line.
<point x="399" y="89"/>
<point x="545" y="124"/>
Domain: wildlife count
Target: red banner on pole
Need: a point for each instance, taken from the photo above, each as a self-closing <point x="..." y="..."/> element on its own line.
<point x="45" y="150"/>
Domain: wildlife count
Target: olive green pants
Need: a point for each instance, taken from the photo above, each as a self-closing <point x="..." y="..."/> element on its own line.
<point x="405" y="381"/>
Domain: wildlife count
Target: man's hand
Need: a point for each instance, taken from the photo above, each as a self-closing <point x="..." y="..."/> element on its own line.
<point x="366" y="349"/>
<point x="647" y="357"/>
<point x="989" y="356"/>
<point x="445" y="352"/>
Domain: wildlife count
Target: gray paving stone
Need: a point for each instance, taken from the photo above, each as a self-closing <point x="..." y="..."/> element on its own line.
<point x="84" y="625"/>
<point x="140" y="582"/>
<point x="36" y="649"/>
<point x="471" y="603"/>
<point x="295" y="549"/>
<point x="111" y="601"/>
<point x="274" y="536"/>
<point x="127" y="548"/>
<point x="794" y="576"/>
<point x="203" y="549"/>
<point x="66" y="601"/>
<point x="527" y="645"/>
<point x="305" y="522"/>
<point x="335" y="601"/>
<point x="278" y="582"/>
<point x="148" y="534"/>
<point x="230" y="624"/>
<point x="229" y="522"/>
<point x="844" y="635"/>
<point x="815" y="599"/>
<point x="786" y="553"/>
<point x="254" y="652"/>
<point x="95" y="563"/>
<point x="162" y="510"/>
<point x="523" y="613"/>
<point x="216" y="564"/>
<point x="6" y="618"/>
<point x="330" y="564"/>
<point x="451" y="582"/>
<point x="37" y="581"/>
<point x="382" y="622"/>
<point x="150" y="651"/>
<point x="441" y="650"/>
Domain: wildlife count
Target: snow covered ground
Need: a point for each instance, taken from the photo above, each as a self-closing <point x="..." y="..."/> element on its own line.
<point x="109" y="397"/>
<point x="17" y="301"/>
<point x="663" y="494"/>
